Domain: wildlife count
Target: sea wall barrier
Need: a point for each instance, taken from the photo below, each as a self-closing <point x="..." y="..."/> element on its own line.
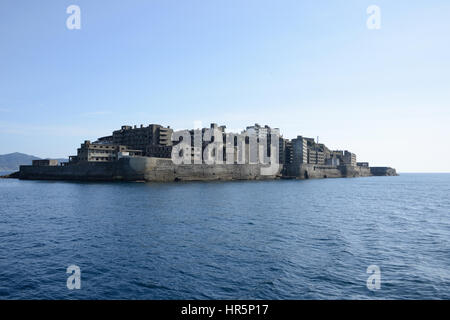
<point x="164" y="170"/>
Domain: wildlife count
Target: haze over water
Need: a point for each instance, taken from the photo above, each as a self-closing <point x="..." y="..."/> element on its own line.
<point x="286" y="239"/>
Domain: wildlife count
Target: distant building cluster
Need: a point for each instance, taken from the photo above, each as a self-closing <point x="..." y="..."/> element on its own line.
<point x="156" y="141"/>
<point x="151" y="141"/>
<point x="302" y="150"/>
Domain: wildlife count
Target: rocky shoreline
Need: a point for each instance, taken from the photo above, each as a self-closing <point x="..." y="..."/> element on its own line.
<point x="13" y="175"/>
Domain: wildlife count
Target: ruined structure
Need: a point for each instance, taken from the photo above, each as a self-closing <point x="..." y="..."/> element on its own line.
<point x="157" y="153"/>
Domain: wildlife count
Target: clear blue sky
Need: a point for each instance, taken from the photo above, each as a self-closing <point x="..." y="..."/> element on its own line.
<point x="308" y="67"/>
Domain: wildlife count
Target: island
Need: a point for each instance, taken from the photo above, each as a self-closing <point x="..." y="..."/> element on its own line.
<point x="161" y="154"/>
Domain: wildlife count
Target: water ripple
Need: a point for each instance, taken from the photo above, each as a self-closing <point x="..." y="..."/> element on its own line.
<point x="227" y="240"/>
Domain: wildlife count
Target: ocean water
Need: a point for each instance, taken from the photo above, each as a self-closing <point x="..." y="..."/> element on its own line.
<point x="311" y="239"/>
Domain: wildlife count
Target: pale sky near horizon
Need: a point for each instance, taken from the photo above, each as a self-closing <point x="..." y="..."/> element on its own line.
<point x="310" y="68"/>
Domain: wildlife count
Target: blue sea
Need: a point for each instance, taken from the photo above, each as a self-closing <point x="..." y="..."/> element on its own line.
<point x="286" y="239"/>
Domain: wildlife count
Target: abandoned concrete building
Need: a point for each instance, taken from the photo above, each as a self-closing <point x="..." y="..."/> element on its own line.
<point x="148" y="153"/>
<point x="102" y="152"/>
<point x="151" y="141"/>
<point x="156" y="141"/>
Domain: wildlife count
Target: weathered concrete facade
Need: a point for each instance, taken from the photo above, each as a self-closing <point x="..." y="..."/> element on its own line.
<point x="163" y="170"/>
<point x="101" y="152"/>
<point x="156" y="153"/>
<point x="45" y="162"/>
<point x="145" y="169"/>
<point x="312" y="171"/>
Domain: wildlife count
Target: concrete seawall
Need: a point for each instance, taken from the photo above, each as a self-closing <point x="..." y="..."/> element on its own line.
<point x="90" y="172"/>
<point x="164" y="170"/>
<point x="383" y="171"/>
<point x="312" y="171"/>
<point x="145" y="169"/>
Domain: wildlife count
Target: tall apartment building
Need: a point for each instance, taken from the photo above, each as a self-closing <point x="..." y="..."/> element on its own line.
<point x="265" y="133"/>
<point x="153" y="140"/>
<point x="316" y="156"/>
<point x="282" y="150"/>
<point x="349" y="158"/>
<point x="259" y="131"/>
<point x="299" y="150"/>
<point x="340" y="157"/>
<point x="201" y="138"/>
<point x="288" y="153"/>
<point x="317" y="152"/>
<point x="332" y="160"/>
